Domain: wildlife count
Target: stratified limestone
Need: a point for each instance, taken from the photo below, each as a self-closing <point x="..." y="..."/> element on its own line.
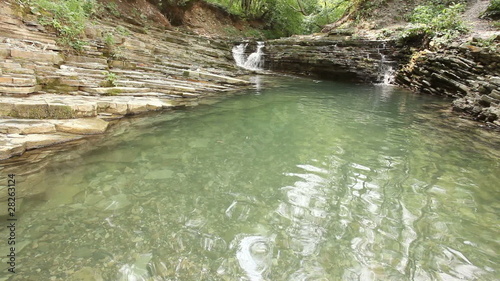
<point x="86" y="126"/>
<point x="25" y="127"/>
<point x="16" y="144"/>
<point x="469" y="74"/>
<point x="50" y="106"/>
<point x="140" y="72"/>
<point x="331" y="58"/>
<point x="215" y="77"/>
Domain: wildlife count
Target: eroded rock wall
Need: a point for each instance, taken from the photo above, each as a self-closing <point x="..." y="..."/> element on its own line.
<point x="333" y="58"/>
<point x="467" y="73"/>
<point x="122" y="69"/>
<point x="470" y="74"/>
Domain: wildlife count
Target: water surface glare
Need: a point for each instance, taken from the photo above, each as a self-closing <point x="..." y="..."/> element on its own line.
<point x="310" y="180"/>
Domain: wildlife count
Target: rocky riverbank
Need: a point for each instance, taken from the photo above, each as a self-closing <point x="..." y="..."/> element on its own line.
<point x="333" y="57"/>
<point x="467" y="73"/>
<point x="50" y="93"/>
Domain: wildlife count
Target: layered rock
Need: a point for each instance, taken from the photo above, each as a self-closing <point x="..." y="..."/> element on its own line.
<point x="332" y="57"/>
<point x="131" y="70"/>
<point x="469" y="74"/>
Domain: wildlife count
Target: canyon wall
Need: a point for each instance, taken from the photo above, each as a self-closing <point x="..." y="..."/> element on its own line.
<point x="468" y="73"/>
<point x="51" y="93"/>
<point x="333" y="58"/>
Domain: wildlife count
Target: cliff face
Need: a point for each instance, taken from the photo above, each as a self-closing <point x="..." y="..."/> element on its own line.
<point x="468" y="73"/>
<point x="332" y="58"/>
<point x="123" y="68"/>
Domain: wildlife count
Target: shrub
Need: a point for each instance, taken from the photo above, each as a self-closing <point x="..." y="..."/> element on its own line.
<point x="438" y="18"/>
<point x="111" y="79"/>
<point x="435" y="20"/>
<point x="67" y="17"/>
<point x="493" y="10"/>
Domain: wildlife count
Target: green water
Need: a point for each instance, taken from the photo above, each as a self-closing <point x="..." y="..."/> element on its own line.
<point x="311" y="180"/>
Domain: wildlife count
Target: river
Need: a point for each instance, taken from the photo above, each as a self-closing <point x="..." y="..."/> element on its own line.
<point x="297" y="179"/>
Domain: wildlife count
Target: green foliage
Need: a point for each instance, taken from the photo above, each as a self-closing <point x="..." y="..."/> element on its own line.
<point x="283" y="19"/>
<point x="494" y="5"/>
<point x="324" y="13"/>
<point x="435" y="20"/>
<point x="287" y="17"/>
<point x="109" y="39"/>
<point x="112" y="7"/>
<point x="492" y="44"/>
<point x="122" y="30"/>
<point x="111" y="79"/>
<point x="254" y="33"/>
<point x="67" y="17"/>
<point x="493" y="11"/>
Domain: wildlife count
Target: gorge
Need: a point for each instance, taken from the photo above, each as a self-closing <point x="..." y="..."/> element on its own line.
<point x="155" y="153"/>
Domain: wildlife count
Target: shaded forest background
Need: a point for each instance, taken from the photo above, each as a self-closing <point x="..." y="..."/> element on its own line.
<point x="266" y="19"/>
<point x="289" y="17"/>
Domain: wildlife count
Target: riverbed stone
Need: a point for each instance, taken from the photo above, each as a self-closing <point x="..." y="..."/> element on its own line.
<point x="41" y="140"/>
<point x="86" y="126"/>
<point x="8" y="150"/>
<point x="112" y="107"/>
<point x="86" y="274"/>
<point x="18" y="90"/>
<point x="159" y="174"/>
<point x="31" y="110"/>
<point x="25" y="127"/>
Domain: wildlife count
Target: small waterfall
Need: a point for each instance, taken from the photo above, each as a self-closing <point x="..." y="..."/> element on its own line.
<point x="254" y="61"/>
<point x="389" y="75"/>
<point x="386" y="72"/>
<point x="239" y="54"/>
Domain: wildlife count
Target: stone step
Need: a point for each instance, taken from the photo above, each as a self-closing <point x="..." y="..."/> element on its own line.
<point x="114" y="90"/>
<point x="85" y="60"/>
<point x="15" y="144"/>
<point x="15" y="32"/>
<point x="37" y="56"/>
<point x="156" y="84"/>
<point x="138" y="74"/>
<point x="147" y="94"/>
<point x="69" y="70"/>
<point x="91" y="65"/>
<point x="215" y="77"/>
<point x="11" y="67"/>
<point x="18" y="80"/>
<point x="52" y="106"/>
<point x="24" y="127"/>
<point x="18" y="90"/>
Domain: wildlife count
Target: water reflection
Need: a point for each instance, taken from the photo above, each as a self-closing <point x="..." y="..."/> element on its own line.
<point x="319" y="182"/>
<point x="254" y="255"/>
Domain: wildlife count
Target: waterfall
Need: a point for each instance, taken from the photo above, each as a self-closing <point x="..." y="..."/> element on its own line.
<point x="386" y="71"/>
<point x="239" y="54"/>
<point x="254" y="61"/>
<point x="389" y="75"/>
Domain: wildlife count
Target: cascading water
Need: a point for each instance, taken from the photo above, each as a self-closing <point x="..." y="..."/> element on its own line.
<point x="254" y="61"/>
<point x="389" y="75"/>
<point x="386" y="71"/>
<point x="239" y="54"/>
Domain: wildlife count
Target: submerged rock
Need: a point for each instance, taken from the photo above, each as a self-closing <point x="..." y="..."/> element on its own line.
<point x="159" y="175"/>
